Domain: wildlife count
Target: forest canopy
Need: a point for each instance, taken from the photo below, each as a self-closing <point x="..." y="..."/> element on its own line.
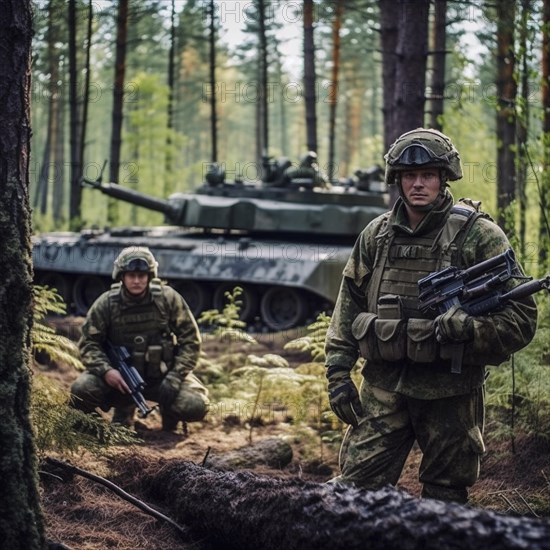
<point x="161" y="88"/>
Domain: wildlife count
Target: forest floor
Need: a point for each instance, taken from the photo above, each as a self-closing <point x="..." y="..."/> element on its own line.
<point x="82" y="514"/>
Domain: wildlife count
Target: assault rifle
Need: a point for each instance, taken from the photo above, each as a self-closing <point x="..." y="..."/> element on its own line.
<point x="477" y="290"/>
<point x="120" y="359"/>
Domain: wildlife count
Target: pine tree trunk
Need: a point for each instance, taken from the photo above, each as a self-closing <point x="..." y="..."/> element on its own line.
<point x="74" y="124"/>
<point x="309" y="77"/>
<point x="118" y="102"/>
<point x="21" y="524"/>
<point x="544" y="198"/>
<point x="438" y="63"/>
<point x="506" y="116"/>
<point x="333" y="95"/>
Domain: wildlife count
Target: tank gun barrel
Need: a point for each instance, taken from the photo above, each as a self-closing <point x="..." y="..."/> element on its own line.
<point x="134" y="197"/>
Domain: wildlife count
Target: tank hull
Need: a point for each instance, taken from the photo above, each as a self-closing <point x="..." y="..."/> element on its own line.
<point x="286" y="280"/>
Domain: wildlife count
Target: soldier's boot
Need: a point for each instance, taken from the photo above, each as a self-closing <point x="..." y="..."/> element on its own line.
<point x="171" y="422"/>
<point x="448" y="494"/>
<point x="124" y="416"/>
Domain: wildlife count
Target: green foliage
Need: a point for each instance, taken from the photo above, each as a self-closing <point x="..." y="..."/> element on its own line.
<point x="527" y="406"/>
<point x="60" y="428"/>
<point x="226" y="324"/>
<point x="314" y="342"/>
<point x="54" y="421"/>
<point x="47" y="301"/>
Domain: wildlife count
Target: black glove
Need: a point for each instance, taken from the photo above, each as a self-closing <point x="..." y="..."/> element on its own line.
<point x="169" y="389"/>
<point x="343" y="395"/>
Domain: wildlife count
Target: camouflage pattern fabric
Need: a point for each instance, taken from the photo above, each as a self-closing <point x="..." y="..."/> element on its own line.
<point x="405" y="400"/>
<point x="171" y="330"/>
<point x="374" y="453"/>
<point x="506" y="331"/>
<point x="90" y="391"/>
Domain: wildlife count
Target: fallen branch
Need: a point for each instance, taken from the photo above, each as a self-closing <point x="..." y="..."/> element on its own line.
<point x="120" y="492"/>
<point x="246" y="511"/>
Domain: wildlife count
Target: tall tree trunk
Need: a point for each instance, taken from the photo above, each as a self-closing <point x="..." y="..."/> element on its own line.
<point x="21" y="522"/>
<point x="410" y="72"/>
<point x="438" y="63"/>
<point x="404" y="27"/>
<point x="388" y="43"/>
<point x="58" y="183"/>
<point x="76" y="164"/>
<point x="86" y="91"/>
<point x="168" y="160"/>
<point x="506" y="116"/>
<point x="213" y="84"/>
<point x="283" y="133"/>
<point x="118" y="103"/>
<point x="333" y="95"/>
<point x="263" y="80"/>
<point x="41" y="196"/>
<point x="310" y="77"/>
<point x="522" y="129"/>
<point x="544" y="191"/>
<point x="54" y="92"/>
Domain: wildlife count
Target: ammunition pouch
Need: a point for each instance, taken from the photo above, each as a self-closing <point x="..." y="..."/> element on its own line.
<point x="422" y="347"/>
<point x="387" y="336"/>
<point x="155" y="364"/>
<point x="168" y="352"/>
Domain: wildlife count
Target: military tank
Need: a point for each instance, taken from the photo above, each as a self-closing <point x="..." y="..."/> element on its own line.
<point x="284" y="240"/>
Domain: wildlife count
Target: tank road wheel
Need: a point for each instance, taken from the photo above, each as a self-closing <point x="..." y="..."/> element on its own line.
<point x="283" y="308"/>
<point x="196" y="296"/>
<point x="249" y="299"/>
<point x="86" y="289"/>
<point x="60" y="282"/>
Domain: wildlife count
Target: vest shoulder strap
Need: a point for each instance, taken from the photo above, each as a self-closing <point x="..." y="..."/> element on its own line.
<point x="453" y="234"/>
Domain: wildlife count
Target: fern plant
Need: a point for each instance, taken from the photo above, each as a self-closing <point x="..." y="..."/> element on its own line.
<point x="58" y="426"/>
<point x="44" y="339"/>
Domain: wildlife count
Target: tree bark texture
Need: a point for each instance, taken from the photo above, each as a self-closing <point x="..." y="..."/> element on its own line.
<point x="388" y="43"/>
<point x="310" y="98"/>
<point x="74" y="126"/>
<point x="404" y="42"/>
<point x="410" y="71"/>
<point x="544" y="191"/>
<point x="118" y="103"/>
<point x="20" y="516"/>
<point x="506" y="116"/>
<point x="246" y="511"/>
<point x="333" y="95"/>
<point x="439" y="54"/>
<point x="273" y="452"/>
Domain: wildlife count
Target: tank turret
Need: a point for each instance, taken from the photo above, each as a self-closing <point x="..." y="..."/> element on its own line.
<point x="284" y="240"/>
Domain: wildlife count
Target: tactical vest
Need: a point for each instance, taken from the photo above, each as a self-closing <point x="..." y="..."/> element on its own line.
<point x="393" y="328"/>
<point x="144" y="329"/>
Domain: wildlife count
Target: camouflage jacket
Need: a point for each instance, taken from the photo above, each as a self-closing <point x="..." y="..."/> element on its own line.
<point x="507" y="331"/>
<point x="171" y="326"/>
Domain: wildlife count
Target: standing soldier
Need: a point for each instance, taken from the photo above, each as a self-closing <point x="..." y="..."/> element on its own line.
<point x="409" y="392"/>
<point x="156" y="326"/>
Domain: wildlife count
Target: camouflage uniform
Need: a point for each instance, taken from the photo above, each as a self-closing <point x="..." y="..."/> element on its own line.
<point x="408" y="392"/>
<point x="163" y="338"/>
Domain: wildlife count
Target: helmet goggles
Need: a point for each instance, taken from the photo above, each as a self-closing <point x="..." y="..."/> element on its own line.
<point x="418" y="155"/>
<point x="136" y="264"/>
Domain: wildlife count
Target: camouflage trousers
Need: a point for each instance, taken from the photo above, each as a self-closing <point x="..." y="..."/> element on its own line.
<point x="448" y="432"/>
<point x="90" y="392"/>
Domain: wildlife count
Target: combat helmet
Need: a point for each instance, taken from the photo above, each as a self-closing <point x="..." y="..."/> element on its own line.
<point x="422" y="148"/>
<point x="135" y="258"/>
